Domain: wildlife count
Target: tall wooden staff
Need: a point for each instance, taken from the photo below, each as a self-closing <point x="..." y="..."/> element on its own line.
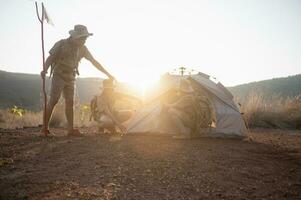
<point x="41" y="19"/>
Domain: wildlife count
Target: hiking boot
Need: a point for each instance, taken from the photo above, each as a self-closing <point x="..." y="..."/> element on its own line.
<point x="75" y="132"/>
<point x="46" y="133"/>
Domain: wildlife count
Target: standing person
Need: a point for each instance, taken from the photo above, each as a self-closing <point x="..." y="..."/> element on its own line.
<point x="64" y="58"/>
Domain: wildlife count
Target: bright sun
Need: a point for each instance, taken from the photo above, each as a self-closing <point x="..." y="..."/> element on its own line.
<point x="142" y="83"/>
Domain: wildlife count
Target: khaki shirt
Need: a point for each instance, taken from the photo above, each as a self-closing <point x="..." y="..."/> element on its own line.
<point x="67" y="58"/>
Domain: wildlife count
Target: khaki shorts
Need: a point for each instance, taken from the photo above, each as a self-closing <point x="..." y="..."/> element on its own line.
<point x="59" y="85"/>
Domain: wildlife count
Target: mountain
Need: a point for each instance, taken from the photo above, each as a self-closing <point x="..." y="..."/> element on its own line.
<point x="24" y="90"/>
<point x="283" y="87"/>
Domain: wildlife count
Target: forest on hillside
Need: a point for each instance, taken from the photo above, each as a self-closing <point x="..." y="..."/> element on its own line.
<point x="278" y="87"/>
<point x="24" y="90"/>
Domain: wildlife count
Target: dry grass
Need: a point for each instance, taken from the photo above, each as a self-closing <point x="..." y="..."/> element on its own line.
<point x="10" y="120"/>
<point x="275" y="112"/>
<point x="81" y="116"/>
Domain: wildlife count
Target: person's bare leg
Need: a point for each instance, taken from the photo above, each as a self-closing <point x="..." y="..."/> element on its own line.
<point x="50" y="108"/>
<point x="106" y="123"/>
<point x="56" y="89"/>
<point x="69" y="114"/>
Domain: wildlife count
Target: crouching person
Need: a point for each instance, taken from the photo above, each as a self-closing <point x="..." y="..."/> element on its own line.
<point x="183" y="112"/>
<point x="103" y="109"/>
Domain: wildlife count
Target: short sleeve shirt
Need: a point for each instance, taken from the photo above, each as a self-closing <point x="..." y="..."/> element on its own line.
<point x="67" y="55"/>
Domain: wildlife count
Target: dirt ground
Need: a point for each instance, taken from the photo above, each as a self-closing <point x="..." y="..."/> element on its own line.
<point x="267" y="165"/>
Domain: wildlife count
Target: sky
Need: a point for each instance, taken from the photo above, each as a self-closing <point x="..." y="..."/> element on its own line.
<point x="235" y="41"/>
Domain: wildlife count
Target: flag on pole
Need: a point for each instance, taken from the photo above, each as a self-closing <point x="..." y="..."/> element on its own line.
<point x="47" y="17"/>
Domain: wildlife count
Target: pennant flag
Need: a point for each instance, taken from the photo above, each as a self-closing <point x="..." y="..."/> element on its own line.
<point x="47" y="17"/>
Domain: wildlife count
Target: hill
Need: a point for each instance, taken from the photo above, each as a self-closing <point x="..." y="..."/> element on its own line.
<point x="24" y="90"/>
<point x="283" y="87"/>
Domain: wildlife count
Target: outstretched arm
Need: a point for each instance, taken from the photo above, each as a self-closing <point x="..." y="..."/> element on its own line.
<point x="101" y="68"/>
<point x="95" y="63"/>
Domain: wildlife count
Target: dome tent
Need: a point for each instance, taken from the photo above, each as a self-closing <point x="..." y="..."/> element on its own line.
<point x="225" y="114"/>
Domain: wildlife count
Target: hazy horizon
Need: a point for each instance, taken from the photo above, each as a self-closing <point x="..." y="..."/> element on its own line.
<point x="137" y="41"/>
<point x="162" y="74"/>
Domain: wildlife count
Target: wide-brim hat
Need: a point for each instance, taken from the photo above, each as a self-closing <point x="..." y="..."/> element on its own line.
<point x="185" y="86"/>
<point x="79" y="31"/>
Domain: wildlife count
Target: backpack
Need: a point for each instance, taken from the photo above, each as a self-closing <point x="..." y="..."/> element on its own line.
<point x="63" y="44"/>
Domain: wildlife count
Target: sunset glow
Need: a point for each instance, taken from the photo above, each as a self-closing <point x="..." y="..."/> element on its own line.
<point x="142" y="83"/>
<point x="137" y="41"/>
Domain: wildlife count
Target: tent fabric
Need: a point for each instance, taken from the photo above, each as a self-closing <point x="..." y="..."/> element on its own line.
<point x="229" y="121"/>
<point x="216" y="90"/>
<point x="149" y="118"/>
